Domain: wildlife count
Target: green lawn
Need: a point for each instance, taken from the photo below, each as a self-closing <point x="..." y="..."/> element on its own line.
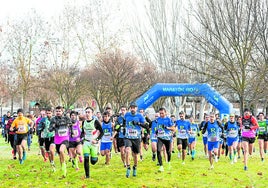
<point x="36" y="173"/>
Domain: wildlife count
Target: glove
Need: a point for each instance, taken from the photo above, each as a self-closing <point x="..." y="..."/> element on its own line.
<point x="135" y="123"/>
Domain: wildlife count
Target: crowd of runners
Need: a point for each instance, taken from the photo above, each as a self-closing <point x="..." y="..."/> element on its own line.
<point x="82" y="137"/>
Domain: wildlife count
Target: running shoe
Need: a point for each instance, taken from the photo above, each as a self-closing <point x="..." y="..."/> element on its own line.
<point x="21" y="161"/>
<point x="134" y="171"/>
<point x="161" y="169"/>
<point x="24" y="156"/>
<point x="245" y="168"/>
<point x="153" y="158"/>
<point x="128" y="172"/>
<point x="53" y="166"/>
<point x="211" y="167"/>
<point x="216" y="158"/>
<point x="169" y="165"/>
<point x="179" y="155"/>
<point x="235" y="159"/>
<point x="183" y="163"/>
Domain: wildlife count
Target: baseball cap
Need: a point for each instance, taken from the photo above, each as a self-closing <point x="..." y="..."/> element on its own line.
<point x="134" y="104"/>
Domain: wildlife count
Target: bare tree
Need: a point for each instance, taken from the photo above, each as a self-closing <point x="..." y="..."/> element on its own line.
<point x="223" y="47"/>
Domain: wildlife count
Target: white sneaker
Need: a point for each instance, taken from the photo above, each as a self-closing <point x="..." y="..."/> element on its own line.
<point x="161" y="169"/>
<point x="232" y="162"/>
<point x="183" y="163"/>
<point x="179" y="155"/>
<point x="216" y="158"/>
<point x="211" y="167"/>
<point x="235" y="159"/>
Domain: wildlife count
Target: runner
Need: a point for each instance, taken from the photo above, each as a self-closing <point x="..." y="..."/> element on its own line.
<point x="239" y="145"/>
<point x="194" y="132"/>
<point x="164" y="130"/>
<point x="6" y="118"/>
<point x="205" y="135"/>
<point x="48" y="137"/>
<point x="153" y="136"/>
<point x="61" y="125"/>
<point x="12" y="136"/>
<point x="107" y="139"/>
<point x="212" y="127"/>
<point x="173" y="118"/>
<point x="182" y="135"/>
<point x="75" y="145"/>
<point x="21" y="126"/>
<point x="249" y="125"/>
<point x="120" y="128"/>
<point x="92" y="133"/>
<point x="262" y="135"/>
<point x="232" y="129"/>
<point x="41" y="139"/>
<point x="134" y="122"/>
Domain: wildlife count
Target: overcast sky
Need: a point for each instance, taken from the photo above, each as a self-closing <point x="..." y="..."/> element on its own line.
<point x="16" y="8"/>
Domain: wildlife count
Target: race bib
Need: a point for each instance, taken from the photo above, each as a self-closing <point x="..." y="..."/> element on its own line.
<point x="21" y="129"/>
<point x="262" y="129"/>
<point x="42" y="135"/>
<point x="132" y="132"/>
<point x="232" y="133"/>
<point x="193" y="134"/>
<point x="63" y="132"/>
<point x="75" y="133"/>
<point x="213" y="138"/>
<point x="161" y="133"/>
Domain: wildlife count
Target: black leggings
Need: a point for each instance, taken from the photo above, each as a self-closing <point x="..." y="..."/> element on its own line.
<point x="160" y="143"/>
<point x="11" y="138"/>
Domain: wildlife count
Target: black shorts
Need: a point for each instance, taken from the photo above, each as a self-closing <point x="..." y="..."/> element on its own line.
<point x="263" y="137"/>
<point x="249" y="140"/>
<point x="21" y="137"/>
<point x="65" y="142"/>
<point x="120" y="143"/>
<point x="48" y="142"/>
<point x="145" y="139"/>
<point x="41" y="141"/>
<point x="183" y="142"/>
<point x="73" y="144"/>
<point x="134" y="144"/>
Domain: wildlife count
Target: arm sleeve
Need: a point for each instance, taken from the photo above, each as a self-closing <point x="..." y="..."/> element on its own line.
<point x="98" y="127"/>
<point x="225" y="126"/>
<point x="204" y="128"/>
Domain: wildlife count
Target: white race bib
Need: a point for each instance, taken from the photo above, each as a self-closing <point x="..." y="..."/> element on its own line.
<point x="132" y="132"/>
<point x="63" y="132"/>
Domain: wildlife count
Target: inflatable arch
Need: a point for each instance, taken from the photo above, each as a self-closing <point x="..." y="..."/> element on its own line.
<point x="173" y="89"/>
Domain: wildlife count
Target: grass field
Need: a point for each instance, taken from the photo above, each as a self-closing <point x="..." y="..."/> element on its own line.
<point x="36" y="173"/>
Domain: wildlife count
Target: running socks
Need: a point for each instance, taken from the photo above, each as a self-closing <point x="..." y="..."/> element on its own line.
<point x="64" y="170"/>
<point x="86" y="166"/>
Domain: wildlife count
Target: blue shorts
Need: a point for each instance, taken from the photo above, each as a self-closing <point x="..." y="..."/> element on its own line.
<point x="205" y="140"/>
<point x="230" y="141"/>
<point x="153" y="140"/>
<point x="191" y="140"/>
<point x="221" y="141"/>
<point x="213" y="145"/>
<point x="106" y="146"/>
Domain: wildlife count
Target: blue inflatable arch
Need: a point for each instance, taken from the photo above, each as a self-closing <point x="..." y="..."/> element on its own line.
<point x="173" y="89"/>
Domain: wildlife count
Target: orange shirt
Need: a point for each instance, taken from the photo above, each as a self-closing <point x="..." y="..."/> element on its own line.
<point x="22" y="124"/>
